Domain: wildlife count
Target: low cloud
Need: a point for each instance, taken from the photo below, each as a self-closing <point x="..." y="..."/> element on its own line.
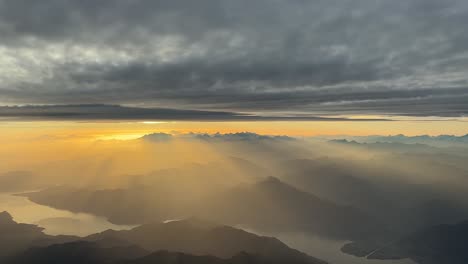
<point x="116" y="112"/>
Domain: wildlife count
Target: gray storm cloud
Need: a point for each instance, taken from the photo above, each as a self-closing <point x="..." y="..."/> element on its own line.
<point x="316" y="57"/>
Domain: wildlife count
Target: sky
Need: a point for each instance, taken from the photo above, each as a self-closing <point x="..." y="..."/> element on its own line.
<point x="398" y="64"/>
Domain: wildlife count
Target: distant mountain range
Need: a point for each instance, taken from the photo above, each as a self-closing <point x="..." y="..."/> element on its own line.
<point x="441" y="140"/>
<point x="241" y="136"/>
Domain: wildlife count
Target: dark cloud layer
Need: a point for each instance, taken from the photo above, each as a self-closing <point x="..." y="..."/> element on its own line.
<point x="116" y="112"/>
<point x="317" y="57"/>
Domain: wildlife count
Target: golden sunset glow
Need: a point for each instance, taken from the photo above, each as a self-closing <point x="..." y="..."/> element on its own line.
<point x="233" y="132"/>
<point x="46" y="130"/>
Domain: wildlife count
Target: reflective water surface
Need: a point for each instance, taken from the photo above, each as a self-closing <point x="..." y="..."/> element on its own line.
<point x="328" y="250"/>
<point x="58" y="222"/>
<point x="54" y="221"/>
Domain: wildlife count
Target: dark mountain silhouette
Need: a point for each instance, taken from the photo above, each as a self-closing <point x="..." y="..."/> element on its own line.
<point x="79" y="252"/>
<point x="15" y="237"/>
<point x="199" y="237"/>
<point x="27" y="244"/>
<point x="439" y="244"/>
<point x="90" y="253"/>
<point x="436" y="212"/>
<point x="165" y="257"/>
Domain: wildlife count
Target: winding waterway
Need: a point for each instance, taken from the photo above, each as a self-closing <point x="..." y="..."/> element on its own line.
<point x="57" y="222"/>
<point x="328" y="250"/>
<point x="54" y="221"/>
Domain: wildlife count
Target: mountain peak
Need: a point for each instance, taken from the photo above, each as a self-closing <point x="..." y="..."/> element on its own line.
<point x="272" y="179"/>
<point x="273" y="183"/>
<point x="5" y="217"/>
<point x="194" y="222"/>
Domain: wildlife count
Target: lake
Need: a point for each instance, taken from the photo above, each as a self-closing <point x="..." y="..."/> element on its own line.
<point x="328" y="250"/>
<point x="54" y="221"/>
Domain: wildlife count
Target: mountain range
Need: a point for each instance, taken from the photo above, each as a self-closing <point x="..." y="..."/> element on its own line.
<point x="185" y="241"/>
<point x="283" y="207"/>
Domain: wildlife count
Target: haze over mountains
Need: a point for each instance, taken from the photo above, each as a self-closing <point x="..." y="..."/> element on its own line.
<point x="207" y="131"/>
<point x="441" y="140"/>
<point x="374" y="196"/>
<point x="283" y="207"/>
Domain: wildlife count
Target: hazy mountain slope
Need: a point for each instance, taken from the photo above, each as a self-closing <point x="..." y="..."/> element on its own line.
<point x="268" y="204"/>
<point x="377" y="187"/>
<point x="332" y="179"/>
<point x="197" y="237"/>
<point x="439" y="244"/>
<point x="15" y="181"/>
<point x="273" y="205"/>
